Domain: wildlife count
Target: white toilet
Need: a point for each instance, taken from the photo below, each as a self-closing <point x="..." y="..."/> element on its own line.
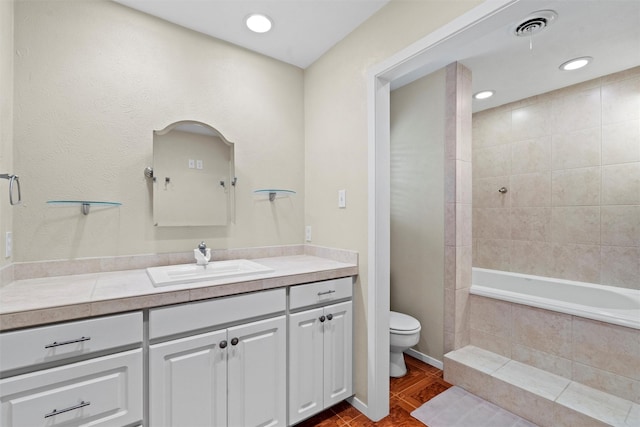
<point x="404" y="332"/>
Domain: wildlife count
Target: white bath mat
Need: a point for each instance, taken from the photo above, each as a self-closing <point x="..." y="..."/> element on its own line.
<point x="456" y="407"/>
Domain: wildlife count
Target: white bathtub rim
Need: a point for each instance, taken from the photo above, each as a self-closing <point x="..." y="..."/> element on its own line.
<point x="627" y="318"/>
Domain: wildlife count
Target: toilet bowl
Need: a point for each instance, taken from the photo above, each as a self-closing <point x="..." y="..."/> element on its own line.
<point x="404" y="332"/>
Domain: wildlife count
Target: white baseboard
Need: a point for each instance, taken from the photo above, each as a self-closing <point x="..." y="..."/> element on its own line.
<point x="424" y="358"/>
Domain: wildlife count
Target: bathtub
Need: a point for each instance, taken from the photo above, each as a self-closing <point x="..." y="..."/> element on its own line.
<point x="618" y="306"/>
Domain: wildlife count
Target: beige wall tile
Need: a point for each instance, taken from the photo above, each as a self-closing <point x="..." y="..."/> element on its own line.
<point x="492" y="127"/>
<point x="541" y="360"/>
<point x="615" y="349"/>
<point x="531" y="121"/>
<point x="463" y="182"/>
<point x="494" y="254"/>
<point x="576" y="262"/>
<point x="486" y="194"/>
<point x="492" y="161"/>
<point x="492" y="223"/>
<point x="528" y="405"/>
<point x="621" y="101"/>
<point x="621" y="142"/>
<point x="598" y="405"/>
<point x="542" y="330"/>
<point x="532" y="189"/>
<point x="531" y="224"/>
<point x="576" y="111"/>
<point x="532" y="155"/>
<point x="627" y="74"/>
<point x="620" y="225"/>
<point x="575" y="224"/>
<point x="617" y="385"/>
<point x="621" y="184"/>
<point x="575" y="187"/>
<point x="620" y="266"/>
<point x="463" y="224"/>
<point x="495" y="344"/>
<point x="490" y="316"/>
<point x="576" y="149"/>
<point x="463" y="266"/>
<point x="531" y="257"/>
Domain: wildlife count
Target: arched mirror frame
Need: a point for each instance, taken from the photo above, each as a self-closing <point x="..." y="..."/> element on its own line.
<point x="226" y="180"/>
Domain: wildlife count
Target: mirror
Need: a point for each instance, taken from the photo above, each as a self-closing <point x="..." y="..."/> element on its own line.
<point x="193" y="176"/>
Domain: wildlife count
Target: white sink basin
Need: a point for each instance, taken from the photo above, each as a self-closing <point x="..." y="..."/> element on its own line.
<point x="189" y="273"/>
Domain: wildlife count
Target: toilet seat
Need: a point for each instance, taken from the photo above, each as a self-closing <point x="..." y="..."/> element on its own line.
<point x="403" y="324"/>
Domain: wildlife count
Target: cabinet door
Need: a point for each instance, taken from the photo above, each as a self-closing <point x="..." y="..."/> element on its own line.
<point x="188" y="382"/>
<point x="305" y="364"/>
<point x="338" y="349"/>
<point x="256" y="364"/>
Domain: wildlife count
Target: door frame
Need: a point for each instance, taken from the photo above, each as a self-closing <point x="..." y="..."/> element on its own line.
<point x="411" y="63"/>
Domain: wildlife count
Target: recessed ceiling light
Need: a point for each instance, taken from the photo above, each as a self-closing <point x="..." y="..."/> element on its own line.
<point x="576" y="63"/>
<point x="258" y="23"/>
<point x="484" y="94"/>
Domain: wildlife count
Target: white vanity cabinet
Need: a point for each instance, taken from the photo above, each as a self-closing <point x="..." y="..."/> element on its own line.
<point x="233" y="375"/>
<point x="88" y="372"/>
<point x="320" y="347"/>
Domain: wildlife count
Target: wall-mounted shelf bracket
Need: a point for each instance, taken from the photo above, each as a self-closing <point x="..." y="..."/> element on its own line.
<point x="274" y="193"/>
<point x="84" y="204"/>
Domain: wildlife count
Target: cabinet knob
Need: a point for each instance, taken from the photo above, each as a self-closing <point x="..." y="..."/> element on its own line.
<point x="329" y="316"/>
<point x="322" y="318"/>
<point x="223" y="344"/>
<point x="234" y="341"/>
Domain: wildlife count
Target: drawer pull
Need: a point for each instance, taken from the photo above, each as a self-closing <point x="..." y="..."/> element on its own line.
<point x="71" y="408"/>
<point x="326" y="292"/>
<point x="58" y="344"/>
<point x="329" y="316"/>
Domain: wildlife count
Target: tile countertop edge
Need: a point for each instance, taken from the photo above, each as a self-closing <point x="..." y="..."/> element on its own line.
<point x="120" y="304"/>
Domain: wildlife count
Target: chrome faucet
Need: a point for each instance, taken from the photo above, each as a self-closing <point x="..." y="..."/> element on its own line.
<point x="202" y="247"/>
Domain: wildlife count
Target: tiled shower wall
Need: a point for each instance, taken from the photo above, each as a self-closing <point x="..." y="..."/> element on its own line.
<point x="570" y="161"/>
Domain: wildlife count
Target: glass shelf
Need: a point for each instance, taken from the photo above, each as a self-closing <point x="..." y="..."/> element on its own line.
<point x="84" y="204"/>
<point x="274" y="192"/>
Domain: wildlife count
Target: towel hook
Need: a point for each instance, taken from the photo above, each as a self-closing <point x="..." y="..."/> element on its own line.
<point x="13" y="179"/>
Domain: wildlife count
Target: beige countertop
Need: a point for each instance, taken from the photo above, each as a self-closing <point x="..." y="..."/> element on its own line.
<point x="31" y="302"/>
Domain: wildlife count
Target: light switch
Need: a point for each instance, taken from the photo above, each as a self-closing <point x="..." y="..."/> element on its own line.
<point x="342" y="198"/>
<point x="8" y="244"/>
<point x="192" y="164"/>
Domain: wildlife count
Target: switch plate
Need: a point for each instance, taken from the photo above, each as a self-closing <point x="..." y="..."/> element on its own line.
<point x="198" y="164"/>
<point x="307" y="233"/>
<point x="342" y="198"/>
<point x="8" y="244"/>
<point x="192" y="164"/>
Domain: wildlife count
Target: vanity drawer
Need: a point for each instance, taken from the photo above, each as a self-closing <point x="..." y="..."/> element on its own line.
<point x="34" y="346"/>
<point x="320" y="292"/>
<point x="193" y="316"/>
<point x="105" y="391"/>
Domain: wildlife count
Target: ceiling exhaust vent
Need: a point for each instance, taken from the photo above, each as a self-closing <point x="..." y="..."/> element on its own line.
<point x="535" y="23"/>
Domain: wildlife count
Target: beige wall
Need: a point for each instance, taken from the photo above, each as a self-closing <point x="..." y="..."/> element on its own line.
<point x="336" y="135"/>
<point x="571" y="162"/>
<point x="6" y="120"/>
<point x="93" y="80"/>
<point x="417" y="207"/>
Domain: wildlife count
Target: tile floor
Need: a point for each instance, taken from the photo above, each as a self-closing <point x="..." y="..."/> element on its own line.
<point x="421" y="383"/>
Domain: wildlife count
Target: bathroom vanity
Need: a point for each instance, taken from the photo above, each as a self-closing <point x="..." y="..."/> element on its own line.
<point x="236" y="352"/>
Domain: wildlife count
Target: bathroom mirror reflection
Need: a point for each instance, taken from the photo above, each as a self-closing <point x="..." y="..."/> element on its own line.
<point x="193" y="176"/>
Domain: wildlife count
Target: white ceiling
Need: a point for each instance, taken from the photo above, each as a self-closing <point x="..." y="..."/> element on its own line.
<point x="607" y="30"/>
<point x="302" y="30"/>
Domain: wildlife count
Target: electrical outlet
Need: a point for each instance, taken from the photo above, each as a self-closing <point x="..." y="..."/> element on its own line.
<point x="198" y="164"/>
<point x="307" y="233"/>
<point x="8" y="244"/>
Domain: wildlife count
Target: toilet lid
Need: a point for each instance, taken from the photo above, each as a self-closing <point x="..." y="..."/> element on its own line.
<point x="402" y="322"/>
